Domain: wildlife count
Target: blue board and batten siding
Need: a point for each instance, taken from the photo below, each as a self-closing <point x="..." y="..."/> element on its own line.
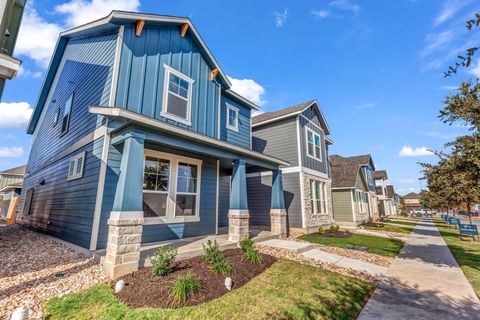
<point x="141" y="76"/>
<point x="60" y="207"/>
<point x="242" y="137"/>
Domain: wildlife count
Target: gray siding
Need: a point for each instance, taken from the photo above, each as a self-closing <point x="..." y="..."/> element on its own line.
<point x="7" y="179"/>
<point x="314" y="164"/>
<point x="342" y="205"/>
<point x="259" y="198"/>
<point x="311" y="114"/>
<point x="278" y="139"/>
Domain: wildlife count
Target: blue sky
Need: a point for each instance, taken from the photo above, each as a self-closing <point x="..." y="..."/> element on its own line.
<point x="376" y="67"/>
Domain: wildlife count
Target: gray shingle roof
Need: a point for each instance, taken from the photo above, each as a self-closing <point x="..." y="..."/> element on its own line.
<point x="358" y="160"/>
<point x="276" y="114"/>
<point x="344" y="176"/>
<point x="380" y="174"/>
<point x="16" y="170"/>
<point x="411" y="195"/>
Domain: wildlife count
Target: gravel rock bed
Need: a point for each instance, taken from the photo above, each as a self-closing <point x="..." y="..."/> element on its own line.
<point x="385" y="234"/>
<point x="286" y="254"/>
<point x="35" y="268"/>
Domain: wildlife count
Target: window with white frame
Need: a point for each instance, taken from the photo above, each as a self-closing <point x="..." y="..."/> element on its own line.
<point x="314" y="145"/>
<point x="66" y="114"/>
<point x="75" y="168"/>
<point x="177" y="98"/>
<point x="56" y="116"/>
<point x="232" y="118"/>
<point x="171" y="188"/>
<point x="318" y="196"/>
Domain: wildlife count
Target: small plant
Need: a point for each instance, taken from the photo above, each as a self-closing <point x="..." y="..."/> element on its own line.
<point x="162" y="261"/>
<point x="250" y="252"/>
<point x="246" y="244"/>
<point x="183" y="288"/>
<point x="321" y="230"/>
<point x="334" y="228"/>
<point x="222" y="267"/>
<point x="211" y="252"/>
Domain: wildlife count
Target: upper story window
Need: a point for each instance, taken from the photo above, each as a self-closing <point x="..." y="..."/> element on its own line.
<point x="314" y="145"/>
<point x="75" y="168"/>
<point x="232" y="118"/>
<point x="177" y="97"/>
<point x="56" y="116"/>
<point x="66" y="114"/>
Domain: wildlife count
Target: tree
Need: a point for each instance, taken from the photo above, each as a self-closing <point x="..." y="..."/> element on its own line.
<point x="463" y="106"/>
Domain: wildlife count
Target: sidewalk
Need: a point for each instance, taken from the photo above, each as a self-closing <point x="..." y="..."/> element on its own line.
<point x="424" y="282"/>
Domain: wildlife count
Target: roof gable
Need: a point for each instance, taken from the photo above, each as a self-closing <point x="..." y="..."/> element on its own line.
<point x="345" y="176"/>
<point x="360" y="160"/>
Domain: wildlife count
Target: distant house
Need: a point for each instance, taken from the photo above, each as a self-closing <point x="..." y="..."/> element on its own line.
<point x="393" y="200"/>
<point x="299" y="135"/>
<point x="138" y="138"/>
<point x="385" y="202"/>
<point x="412" y="201"/>
<point x="349" y="193"/>
<point x="11" y="181"/>
<point x="368" y="167"/>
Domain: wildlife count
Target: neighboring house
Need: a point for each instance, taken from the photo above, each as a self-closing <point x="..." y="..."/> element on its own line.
<point x="385" y="203"/>
<point x="393" y="200"/>
<point x="10" y="186"/>
<point x="134" y="133"/>
<point x="11" y="16"/>
<point x="412" y="201"/>
<point x="349" y="193"/>
<point x="368" y="167"/>
<point x="299" y="135"/>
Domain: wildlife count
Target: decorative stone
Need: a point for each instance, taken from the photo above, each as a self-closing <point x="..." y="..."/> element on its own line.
<point x="21" y="313"/>
<point x="228" y="283"/>
<point x="278" y="221"/>
<point x="119" y="286"/>
<point x="238" y="225"/>
<point x="313" y="220"/>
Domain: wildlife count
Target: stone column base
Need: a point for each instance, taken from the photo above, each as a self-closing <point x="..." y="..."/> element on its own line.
<point x="278" y="220"/>
<point x="123" y="246"/>
<point x="238" y="223"/>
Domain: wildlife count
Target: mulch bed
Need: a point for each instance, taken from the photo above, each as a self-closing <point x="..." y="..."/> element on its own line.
<point x="338" y="234"/>
<point x="143" y="289"/>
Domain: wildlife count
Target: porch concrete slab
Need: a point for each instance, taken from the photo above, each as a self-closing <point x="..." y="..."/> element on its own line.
<point x="423" y="282"/>
<point x="361" y="266"/>
<point x="288" y="245"/>
<point x="322" y="256"/>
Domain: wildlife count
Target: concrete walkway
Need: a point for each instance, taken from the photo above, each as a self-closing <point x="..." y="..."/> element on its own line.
<point x="308" y="251"/>
<point x="423" y="282"/>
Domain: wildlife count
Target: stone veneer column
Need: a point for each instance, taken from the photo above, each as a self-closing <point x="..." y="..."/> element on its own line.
<point x="126" y="219"/>
<point x="238" y="214"/>
<point x="278" y="214"/>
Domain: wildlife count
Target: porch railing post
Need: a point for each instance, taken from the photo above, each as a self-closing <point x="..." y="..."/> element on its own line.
<point x="238" y="214"/>
<point x="126" y="220"/>
<point x="278" y="214"/>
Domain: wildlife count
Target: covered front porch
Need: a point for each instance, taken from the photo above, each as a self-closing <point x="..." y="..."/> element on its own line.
<point x="185" y="199"/>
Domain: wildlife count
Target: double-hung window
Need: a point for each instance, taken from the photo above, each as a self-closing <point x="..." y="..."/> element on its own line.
<point x="314" y="145"/>
<point x="75" y="167"/>
<point x="171" y="188"/>
<point x="318" y="196"/>
<point x="232" y="118"/>
<point x="66" y="114"/>
<point x="177" y="97"/>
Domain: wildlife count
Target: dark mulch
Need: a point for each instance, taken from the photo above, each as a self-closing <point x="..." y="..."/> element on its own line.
<point x="143" y="289"/>
<point x="338" y="234"/>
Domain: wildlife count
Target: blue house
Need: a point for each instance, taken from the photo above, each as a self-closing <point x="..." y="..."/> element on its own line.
<point x="135" y="132"/>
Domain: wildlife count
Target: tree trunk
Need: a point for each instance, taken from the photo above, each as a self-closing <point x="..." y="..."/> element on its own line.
<point x="468" y="211"/>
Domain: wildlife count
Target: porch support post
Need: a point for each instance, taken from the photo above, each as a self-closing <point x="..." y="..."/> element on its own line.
<point x="278" y="214"/>
<point x="126" y="219"/>
<point x="238" y="215"/>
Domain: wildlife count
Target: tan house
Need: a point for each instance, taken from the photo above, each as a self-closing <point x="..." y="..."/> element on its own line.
<point x="412" y="201"/>
<point x="11" y="181"/>
<point x="385" y="202"/>
<point x="349" y="194"/>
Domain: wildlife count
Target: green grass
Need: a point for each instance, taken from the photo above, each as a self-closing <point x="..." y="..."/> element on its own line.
<point x="382" y="246"/>
<point x="391" y="228"/>
<point x="466" y="253"/>
<point x="402" y="222"/>
<point x="287" y="290"/>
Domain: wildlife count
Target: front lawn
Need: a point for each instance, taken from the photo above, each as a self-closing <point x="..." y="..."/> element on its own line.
<point x="287" y="290"/>
<point x="391" y="228"/>
<point x="402" y="222"/>
<point x="382" y="246"/>
<point x="466" y="253"/>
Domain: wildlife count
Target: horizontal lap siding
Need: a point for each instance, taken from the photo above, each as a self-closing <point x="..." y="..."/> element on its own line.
<point x="259" y="199"/>
<point x="342" y="205"/>
<point x="223" y="199"/>
<point x="141" y="76"/>
<point x="65" y="208"/>
<point x="314" y="164"/>
<point x="278" y="139"/>
<point x="242" y="137"/>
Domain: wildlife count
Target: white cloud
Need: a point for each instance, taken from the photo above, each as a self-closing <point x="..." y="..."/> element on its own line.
<point x="27" y="73"/>
<point x="475" y="70"/>
<point x="14" y="114"/>
<point x="281" y="17"/>
<point x="366" y="105"/>
<point x="436" y="41"/>
<point x="11" y="152"/>
<point x="249" y="89"/>
<point x="408" y="151"/>
<point x="320" y="14"/>
<point x="345" y="5"/>
<point x="449" y="10"/>
<point x="37" y="37"/>
<point x="80" y="11"/>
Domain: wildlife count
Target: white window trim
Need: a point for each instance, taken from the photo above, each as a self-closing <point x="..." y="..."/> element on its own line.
<point x="164" y="111"/>
<point x="62" y="132"/>
<point x="313" y="197"/>
<point x="75" y="158"/>
<point x="172" y="188"/>
<point x="314" y="156"/>
<point x="237" y="111"/>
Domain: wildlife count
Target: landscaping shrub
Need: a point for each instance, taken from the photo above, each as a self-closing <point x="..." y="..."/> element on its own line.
<point x="246" y="244"/>
<point x="222" y="267"/>
<point x="334" y="228"/>
<point x="184" y="287"/>
<point x="211" y="252"/>
<point x="250" y="252"/>
<point x="321" y="230"/>
<point x="162" y="261"/>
